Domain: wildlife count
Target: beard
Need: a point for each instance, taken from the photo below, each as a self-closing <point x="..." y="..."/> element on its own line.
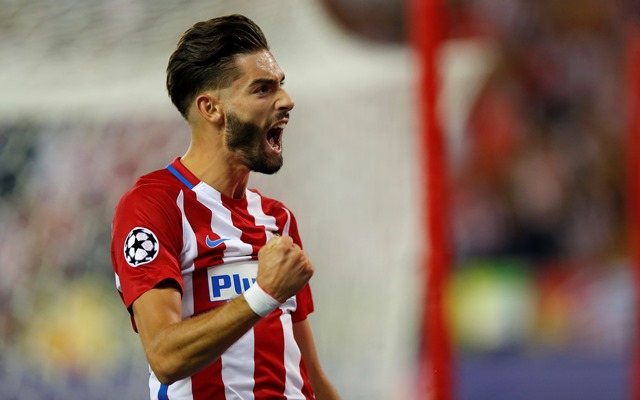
<point x="248" y="141"/>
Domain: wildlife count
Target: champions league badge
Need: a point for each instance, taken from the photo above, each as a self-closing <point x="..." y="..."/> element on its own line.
<point x="140" y="247"/>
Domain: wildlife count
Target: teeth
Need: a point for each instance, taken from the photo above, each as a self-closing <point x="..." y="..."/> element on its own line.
<point x="280" y="125"/>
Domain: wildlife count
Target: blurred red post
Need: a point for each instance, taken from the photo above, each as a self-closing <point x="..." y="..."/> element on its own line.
<point x="633" y="85"/>
<point x="426" y="22"/>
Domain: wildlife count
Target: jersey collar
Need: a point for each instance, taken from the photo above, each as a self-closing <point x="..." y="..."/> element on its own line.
<point x="183" y="174"/>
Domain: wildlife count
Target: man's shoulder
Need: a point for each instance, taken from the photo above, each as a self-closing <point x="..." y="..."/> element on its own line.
<point x="158" y="186"/>
<point x="161" y="178"/>
<point x="266" y="199"/>
<point x="269" y="203"/>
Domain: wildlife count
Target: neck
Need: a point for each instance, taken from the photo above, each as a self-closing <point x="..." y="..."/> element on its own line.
<point x="214" y="165"/>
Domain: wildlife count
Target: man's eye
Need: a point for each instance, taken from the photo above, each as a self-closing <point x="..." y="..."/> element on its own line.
<point x="262" y="89"/>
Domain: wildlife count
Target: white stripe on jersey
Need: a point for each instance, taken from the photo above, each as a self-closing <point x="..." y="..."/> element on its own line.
<point x="237" y="368"/>
<point x="254" y="206"/>
<point x="187" y="257"/>
<point x="293" y="379"/>
<point x="285" y="230"/>
<point x="154" y="385"/>
<point x="222" y="224"/>
<point x="180" y="390"/>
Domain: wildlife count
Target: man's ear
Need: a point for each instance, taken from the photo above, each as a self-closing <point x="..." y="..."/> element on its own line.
<point x="209" y="107"/>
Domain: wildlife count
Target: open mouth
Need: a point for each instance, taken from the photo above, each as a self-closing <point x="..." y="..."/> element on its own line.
<point x="274" y="137"/>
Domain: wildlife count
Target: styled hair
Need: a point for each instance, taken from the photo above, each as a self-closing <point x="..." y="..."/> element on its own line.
<point x="205" y="57"/>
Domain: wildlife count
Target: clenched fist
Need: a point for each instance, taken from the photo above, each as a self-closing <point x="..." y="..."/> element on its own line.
<point x="283" y="268"/>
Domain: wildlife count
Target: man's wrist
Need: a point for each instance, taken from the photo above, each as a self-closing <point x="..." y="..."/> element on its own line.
<point x="261" y="302"/>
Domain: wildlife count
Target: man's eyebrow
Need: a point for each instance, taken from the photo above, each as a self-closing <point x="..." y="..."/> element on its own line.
<point x="268" y="81"/>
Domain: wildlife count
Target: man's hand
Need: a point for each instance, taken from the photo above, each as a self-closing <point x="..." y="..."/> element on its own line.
<point x="283" y="268"/>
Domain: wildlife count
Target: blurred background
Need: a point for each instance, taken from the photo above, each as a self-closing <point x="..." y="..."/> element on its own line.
<point x="533" y="105"/>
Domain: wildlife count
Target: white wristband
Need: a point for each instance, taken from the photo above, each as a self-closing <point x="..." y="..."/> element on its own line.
<point x="260" y="301"/>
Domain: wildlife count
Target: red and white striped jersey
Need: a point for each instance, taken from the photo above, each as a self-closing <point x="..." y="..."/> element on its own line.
<point x="170" y="225"/>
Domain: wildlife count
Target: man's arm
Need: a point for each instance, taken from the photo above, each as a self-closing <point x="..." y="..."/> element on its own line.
<point x="322" y="388"/>
<point x="177" y="349"/>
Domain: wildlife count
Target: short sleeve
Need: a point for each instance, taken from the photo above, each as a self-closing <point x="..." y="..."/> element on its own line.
<point x="305" y="304"/>
<point x="146" y="241"/>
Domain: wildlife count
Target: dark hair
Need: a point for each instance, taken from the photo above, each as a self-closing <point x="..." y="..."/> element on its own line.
<point x="205" y="57"/>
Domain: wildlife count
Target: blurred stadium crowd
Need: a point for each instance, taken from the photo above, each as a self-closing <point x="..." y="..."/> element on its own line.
<point x="58" y="186"/>
<point x="538" y="205"/>
<point x="540" y="180"/>
<point x="544" y="167"/>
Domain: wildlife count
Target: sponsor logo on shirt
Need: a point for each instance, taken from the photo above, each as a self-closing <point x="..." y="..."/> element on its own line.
<point x="228" y="281"/>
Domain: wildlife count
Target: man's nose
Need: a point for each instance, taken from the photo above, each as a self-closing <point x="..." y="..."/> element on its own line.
<point x="285" y="103"/>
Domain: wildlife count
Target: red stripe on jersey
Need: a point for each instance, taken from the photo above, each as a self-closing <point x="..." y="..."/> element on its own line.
<point x="282" y="217"/>
<point x="306" y="388"/>
<point x="269" y="372"/>
<point x="251" y="233"/>
<point x="200" y="291"/>
<point x="207" y="384"/>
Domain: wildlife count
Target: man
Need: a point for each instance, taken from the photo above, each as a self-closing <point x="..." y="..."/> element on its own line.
<point x="212" y="273"/>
